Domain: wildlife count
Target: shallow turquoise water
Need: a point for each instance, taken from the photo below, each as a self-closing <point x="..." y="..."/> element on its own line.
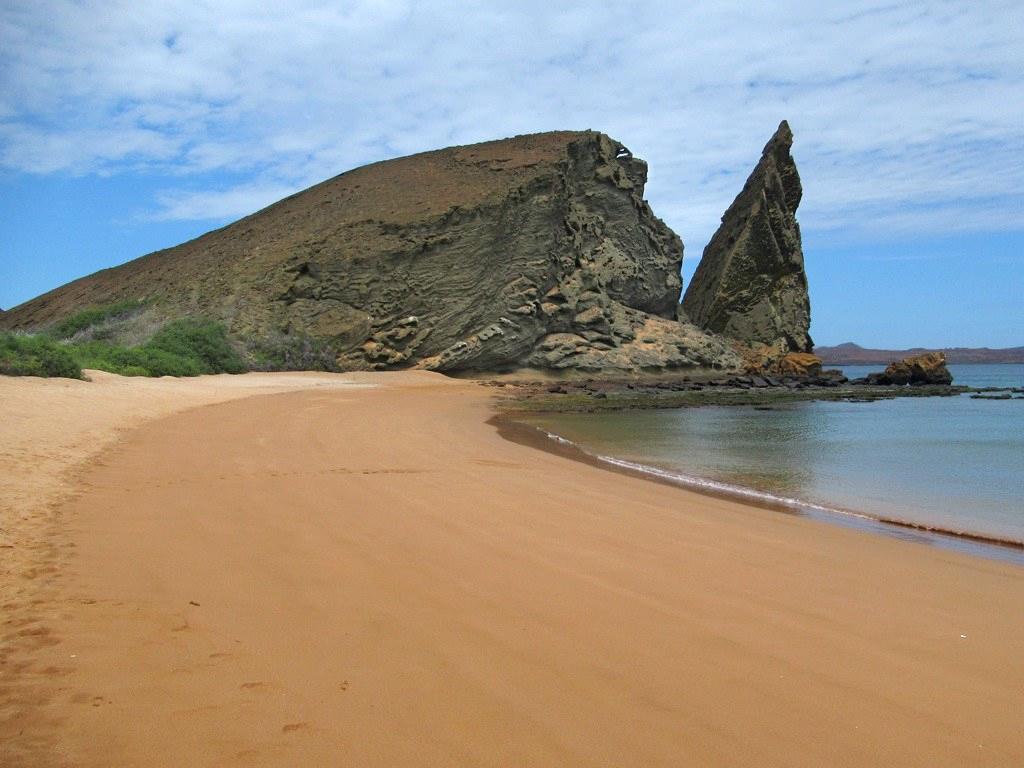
<point x="951" y="462"/>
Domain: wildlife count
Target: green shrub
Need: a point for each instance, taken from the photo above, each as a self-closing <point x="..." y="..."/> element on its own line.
<point x="93" y="316"/>
<point x="290" y="352"/>
<point x="185" y="347"/>
<point x="181" y="348"/>
<point x="22" y="355"/>
<point x="130" y="361"/>
<point x="200" y="341"/>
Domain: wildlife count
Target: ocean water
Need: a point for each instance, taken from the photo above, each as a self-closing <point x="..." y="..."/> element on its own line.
<point x="944" y="462"/>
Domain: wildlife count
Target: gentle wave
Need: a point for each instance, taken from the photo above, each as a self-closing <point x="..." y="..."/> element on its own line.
<point x="703" y="483"/>
<point x="743" y="493"/>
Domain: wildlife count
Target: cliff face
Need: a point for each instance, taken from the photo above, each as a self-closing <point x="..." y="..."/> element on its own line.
<point x="750" y="284"/>
<point x="537" y="251"/>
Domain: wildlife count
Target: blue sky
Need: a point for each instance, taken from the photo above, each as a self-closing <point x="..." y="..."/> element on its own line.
<point x="131" y="126"/>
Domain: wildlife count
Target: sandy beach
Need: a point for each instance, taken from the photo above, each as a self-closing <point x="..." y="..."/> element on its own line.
<point x="358" y="570"/>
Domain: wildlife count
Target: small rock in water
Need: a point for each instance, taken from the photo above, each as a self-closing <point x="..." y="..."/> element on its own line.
<point x="929" y="368"/>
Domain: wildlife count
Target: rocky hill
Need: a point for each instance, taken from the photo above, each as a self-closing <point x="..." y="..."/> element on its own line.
<point x="853" y="354"/>
<point x="536" y="252"/>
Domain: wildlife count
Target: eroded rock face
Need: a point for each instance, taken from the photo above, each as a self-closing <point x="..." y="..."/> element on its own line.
<point x="538" y="252"/>
<point x="800" y="364"/>
<point x="929" y="368"/>
<point x="750" y="284"/>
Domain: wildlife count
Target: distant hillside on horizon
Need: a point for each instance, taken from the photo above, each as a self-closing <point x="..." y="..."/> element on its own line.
<point x="854" y="354"/>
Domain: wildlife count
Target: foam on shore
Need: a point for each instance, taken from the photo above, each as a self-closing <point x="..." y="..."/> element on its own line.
<point x="970" y="542"/>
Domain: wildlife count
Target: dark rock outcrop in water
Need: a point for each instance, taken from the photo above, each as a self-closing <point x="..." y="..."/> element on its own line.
<point x="929" y="368"/>
<point x="750" y="284"/>
<point x="533" y="252"/>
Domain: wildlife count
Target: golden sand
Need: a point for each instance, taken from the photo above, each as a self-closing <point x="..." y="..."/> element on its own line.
<point x="206" y="573"/>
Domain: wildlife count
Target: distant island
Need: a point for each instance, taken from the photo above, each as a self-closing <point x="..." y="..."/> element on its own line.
<point x="854" y="354"/>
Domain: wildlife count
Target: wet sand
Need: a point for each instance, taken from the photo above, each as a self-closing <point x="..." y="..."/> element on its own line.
<point x="374" y="577"/>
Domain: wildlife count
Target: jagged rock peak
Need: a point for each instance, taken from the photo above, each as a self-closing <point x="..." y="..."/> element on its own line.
<point x="750" y="284"/>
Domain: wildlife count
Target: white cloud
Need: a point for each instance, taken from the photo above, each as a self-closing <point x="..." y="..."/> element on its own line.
<point x="219" y="204"/>
<point x="906" y="114"/>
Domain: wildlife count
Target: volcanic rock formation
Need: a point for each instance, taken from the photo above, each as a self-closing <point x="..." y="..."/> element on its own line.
<point x="800" y="364"/>
<point x="538" y="252"/>
<point x="929" y="368"/>
<point x="750" y="284"/>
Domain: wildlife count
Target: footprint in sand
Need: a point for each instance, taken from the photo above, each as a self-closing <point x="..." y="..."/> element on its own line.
<point x="85" y="698"/>
<point x="497" y="463"/>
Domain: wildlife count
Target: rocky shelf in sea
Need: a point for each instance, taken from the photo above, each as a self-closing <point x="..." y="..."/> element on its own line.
<point x="997" y="393"/>
<point x="757" y="391"/>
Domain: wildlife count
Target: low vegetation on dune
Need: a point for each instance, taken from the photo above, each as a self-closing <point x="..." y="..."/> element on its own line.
<point x="22" y="355"/>
<point x="97" y="323"/>
<point x="182" y="348"/>
<point x="290" y="352"/>
<point x="110" y="339"/>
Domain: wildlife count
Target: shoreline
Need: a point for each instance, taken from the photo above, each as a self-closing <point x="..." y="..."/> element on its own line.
<point x="974" y="544"/>
<point x="373" y="572"/>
